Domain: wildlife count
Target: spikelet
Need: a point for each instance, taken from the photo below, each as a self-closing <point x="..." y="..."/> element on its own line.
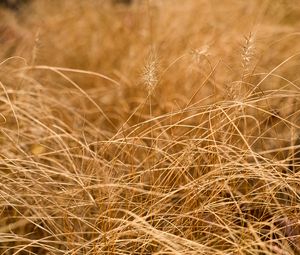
<point x="35" y="47"/>
<point x="236" y="90"/>
<point x="200" y="53"/>
<point x="248" y="52"/>
<point x="150" y="74"/>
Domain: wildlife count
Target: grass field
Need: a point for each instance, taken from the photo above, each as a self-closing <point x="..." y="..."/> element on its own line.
<point x="156" y="127"/>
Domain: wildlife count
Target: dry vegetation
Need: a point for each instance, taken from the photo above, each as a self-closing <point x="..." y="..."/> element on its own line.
<point x="161" y="127"/>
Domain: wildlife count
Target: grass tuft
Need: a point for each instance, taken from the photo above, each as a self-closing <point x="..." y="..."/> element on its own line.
<point x="201" y="159"/>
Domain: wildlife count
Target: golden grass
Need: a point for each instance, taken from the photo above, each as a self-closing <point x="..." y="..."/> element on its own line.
<point x="160" y="127"/>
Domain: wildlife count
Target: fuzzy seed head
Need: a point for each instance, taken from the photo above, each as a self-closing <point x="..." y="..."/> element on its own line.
<point x="200" y="53"/>
<point x="248" y="51"/>
<point x="149" y="75"/>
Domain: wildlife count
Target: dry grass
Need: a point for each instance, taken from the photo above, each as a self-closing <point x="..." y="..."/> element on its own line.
<point x="162" y="127"/>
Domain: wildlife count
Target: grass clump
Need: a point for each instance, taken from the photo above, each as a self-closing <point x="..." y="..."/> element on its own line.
<point x="155" y="127"/>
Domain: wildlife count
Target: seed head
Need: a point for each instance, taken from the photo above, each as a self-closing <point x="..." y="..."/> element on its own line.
<point x="200" y="53"/>
<point x="248" y="51"/>
<point x="149" y="75"/>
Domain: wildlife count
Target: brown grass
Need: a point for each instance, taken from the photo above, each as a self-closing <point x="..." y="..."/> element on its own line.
<point x="161" y="127"/>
